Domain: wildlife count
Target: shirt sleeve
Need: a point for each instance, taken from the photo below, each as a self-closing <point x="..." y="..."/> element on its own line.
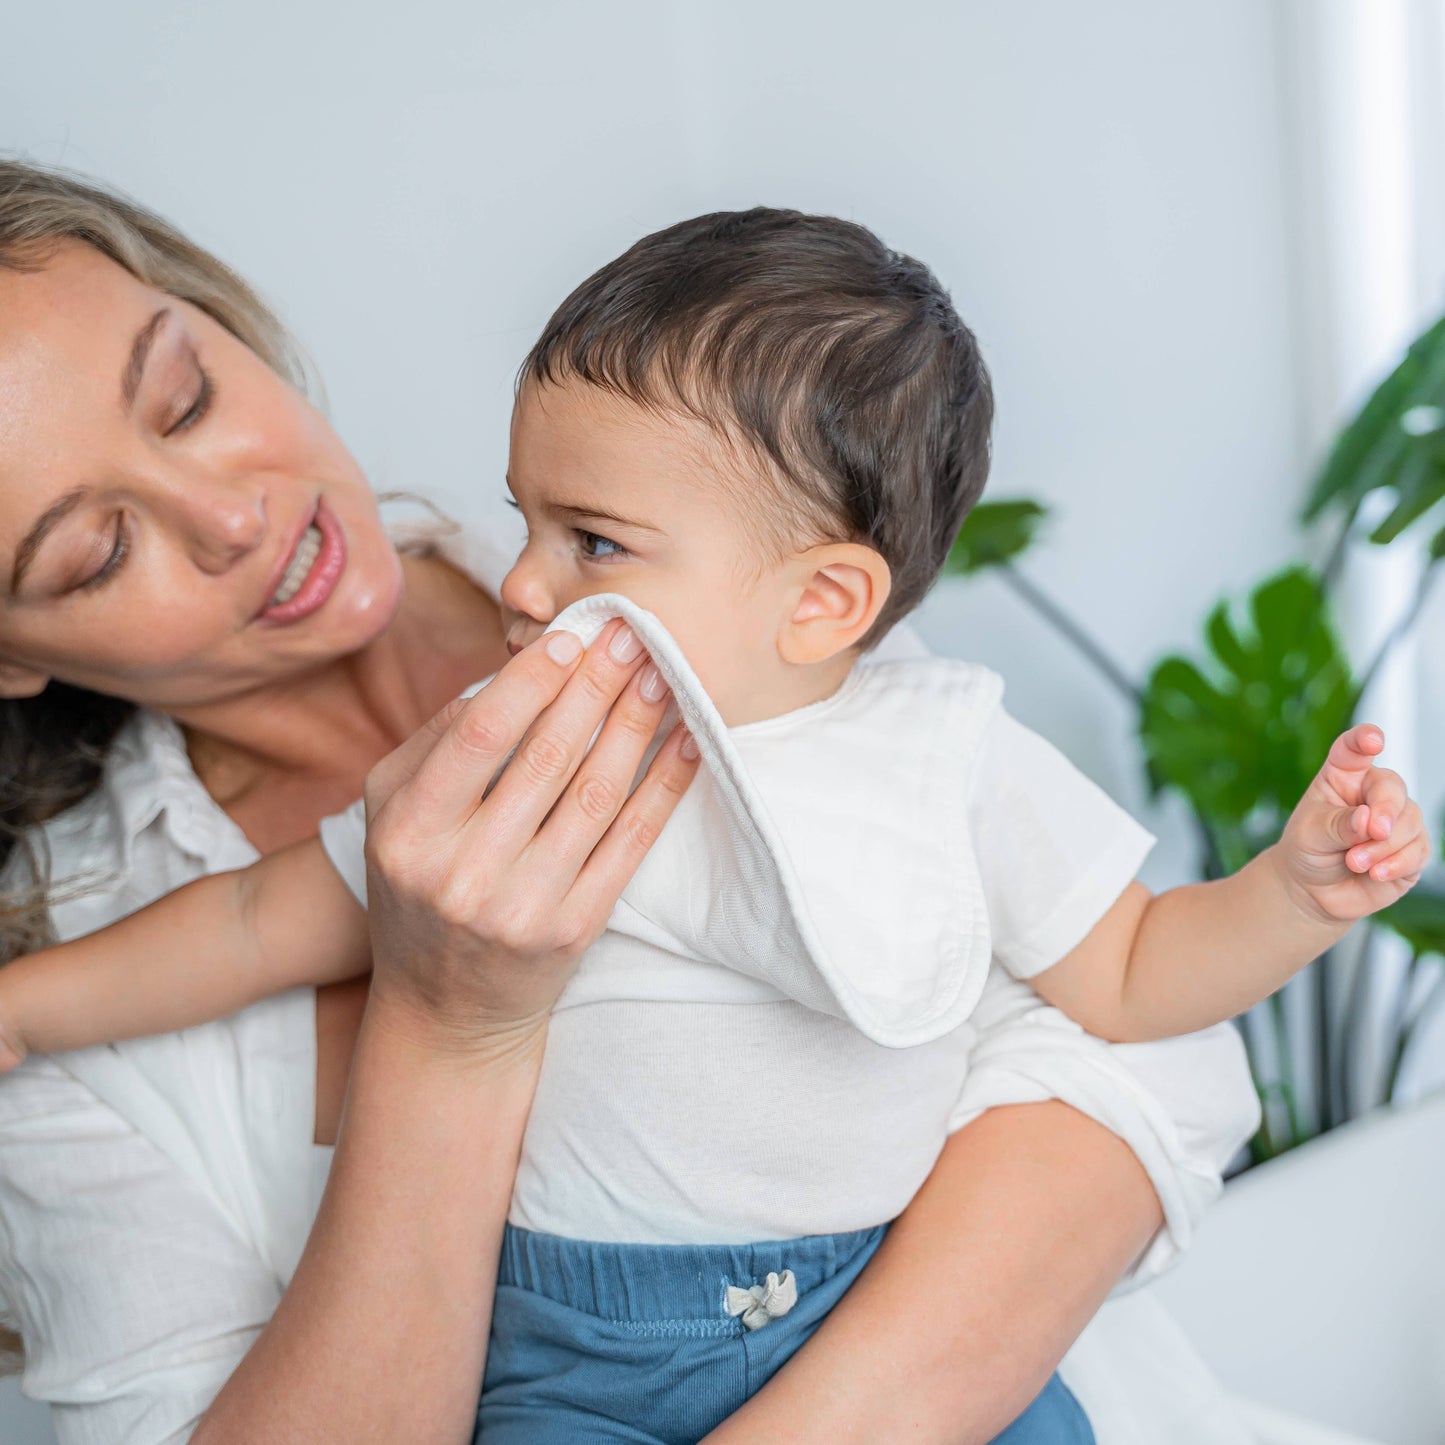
<point x="343" y="837"/>
<point x="1054" y="850"/>
<point x="1185" y="1106"/>
<point x="136" y="1299"/>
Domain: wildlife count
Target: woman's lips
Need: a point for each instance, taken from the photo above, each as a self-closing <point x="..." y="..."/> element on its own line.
<point x="320" y="581"/>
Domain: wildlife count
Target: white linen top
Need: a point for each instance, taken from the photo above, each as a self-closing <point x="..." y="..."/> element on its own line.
<point x="155" y="1194"/>
<point x="773" y="1036"/>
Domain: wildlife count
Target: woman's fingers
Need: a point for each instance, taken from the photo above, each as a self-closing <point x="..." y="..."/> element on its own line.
<point x="605" y="776"/>
<point x="555" y="744"/>
<point x="402" y="762"/>
<point x="450" y="777"/>
<point x="635" y="829"/>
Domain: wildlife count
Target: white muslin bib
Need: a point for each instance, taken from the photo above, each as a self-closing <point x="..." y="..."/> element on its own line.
<point x="770" y="1037"/>
<point x="824" y="854"/>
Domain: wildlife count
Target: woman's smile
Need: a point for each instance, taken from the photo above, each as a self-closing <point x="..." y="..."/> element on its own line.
<point x="308" y="572"/>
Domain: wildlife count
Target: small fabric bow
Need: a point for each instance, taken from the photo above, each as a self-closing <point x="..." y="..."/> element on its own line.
<point x="762" y="1303"/>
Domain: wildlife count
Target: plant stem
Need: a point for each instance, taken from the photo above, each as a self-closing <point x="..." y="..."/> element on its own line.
<point x="1057" y="618"/>
<point x="1399" y="1035"/>
<point x="1284" y="1051"/>
<point x="1411" y="1028"/>
<point x="1335" y="559"/>
<point x="1261" y="1147"/>
<point x="1354" y="1021"/>
<point x="1396" y="634"/>
<point x="1035" y="597"/>
<point x="1319" y="975"/>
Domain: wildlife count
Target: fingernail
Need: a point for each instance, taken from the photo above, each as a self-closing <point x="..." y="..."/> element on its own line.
<point x="653" y="687"/>
<point x="689" y="747"/>
<point x="563" y="646"/>
<point x="624" y="645"/>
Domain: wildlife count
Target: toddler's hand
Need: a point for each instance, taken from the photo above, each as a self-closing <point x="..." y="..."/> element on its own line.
<point x="1357" y="840"/>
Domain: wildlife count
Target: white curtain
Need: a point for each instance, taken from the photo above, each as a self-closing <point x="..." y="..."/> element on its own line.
<point x="1365" y="97"/>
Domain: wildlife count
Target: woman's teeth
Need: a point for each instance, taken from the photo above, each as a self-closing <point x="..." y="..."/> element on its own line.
<point x="306" y="553"/>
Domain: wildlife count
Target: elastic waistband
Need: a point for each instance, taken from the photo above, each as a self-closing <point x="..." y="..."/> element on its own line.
<point x="654" y="1282"/>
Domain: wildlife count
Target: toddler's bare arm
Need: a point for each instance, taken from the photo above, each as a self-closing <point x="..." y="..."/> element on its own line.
<point x="1195" y="956"/>
<point x="197" y="954"/>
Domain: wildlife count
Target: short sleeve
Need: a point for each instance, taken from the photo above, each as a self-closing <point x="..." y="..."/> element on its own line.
<point x="1184" y="1105"/>
<point x="135" y="1297"/>
<point x="1054" y="850"/>
<point x="343" y="837"/>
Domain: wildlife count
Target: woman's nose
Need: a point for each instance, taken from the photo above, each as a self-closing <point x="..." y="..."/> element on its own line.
<point x="224" y="522"/>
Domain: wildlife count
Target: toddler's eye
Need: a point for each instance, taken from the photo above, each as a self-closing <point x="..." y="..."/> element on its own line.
<point x="596" y="548"/>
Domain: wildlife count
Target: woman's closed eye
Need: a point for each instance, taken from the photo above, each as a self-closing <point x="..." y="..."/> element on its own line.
<point x="191" y="405"/>
<point x="120" y="545"/>
<point x="189" y="408"/>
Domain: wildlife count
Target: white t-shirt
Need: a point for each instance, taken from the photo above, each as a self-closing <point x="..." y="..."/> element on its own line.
<point x="156" y="1194"/>
<point x="773" y="1038"/>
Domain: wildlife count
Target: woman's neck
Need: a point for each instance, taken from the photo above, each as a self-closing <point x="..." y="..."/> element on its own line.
<point x="325" y="729"/>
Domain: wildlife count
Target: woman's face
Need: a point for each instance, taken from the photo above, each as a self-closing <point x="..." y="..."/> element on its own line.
<point x="177" y="525"/>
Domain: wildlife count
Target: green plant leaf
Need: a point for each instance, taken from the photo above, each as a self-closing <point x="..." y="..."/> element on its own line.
<point x="1242" y="736"/>
<point x="1397" y="442"/>
<point x="1419" y="918"/>
<point x="995" y="533"/>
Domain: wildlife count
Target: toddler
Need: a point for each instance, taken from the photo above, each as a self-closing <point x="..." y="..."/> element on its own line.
<point x="754" y="437"/>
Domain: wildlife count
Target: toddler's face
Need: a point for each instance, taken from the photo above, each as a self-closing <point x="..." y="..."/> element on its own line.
<point x="618" y="498"/>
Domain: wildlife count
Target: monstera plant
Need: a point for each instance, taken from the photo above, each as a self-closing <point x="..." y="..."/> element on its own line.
<point x="1239" y="728"/>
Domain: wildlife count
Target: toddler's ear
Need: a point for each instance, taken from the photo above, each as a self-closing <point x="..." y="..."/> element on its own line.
<point x="836" y="592"/>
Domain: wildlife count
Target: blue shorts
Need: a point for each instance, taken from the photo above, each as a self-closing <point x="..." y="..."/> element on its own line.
<point x="626" y="1342"/>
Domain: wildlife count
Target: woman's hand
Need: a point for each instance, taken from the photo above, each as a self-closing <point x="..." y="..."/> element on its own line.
<point x="485" y="890"/>
<point x="483" y="894"/>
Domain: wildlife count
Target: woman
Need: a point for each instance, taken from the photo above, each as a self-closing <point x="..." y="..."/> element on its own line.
<point x="209" y="642"/>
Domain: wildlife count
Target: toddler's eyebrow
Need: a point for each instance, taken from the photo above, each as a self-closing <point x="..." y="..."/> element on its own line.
<point x="574" y="510"/>
<point x="591" y="513"/>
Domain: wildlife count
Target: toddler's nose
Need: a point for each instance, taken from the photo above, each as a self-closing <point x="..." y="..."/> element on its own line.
<point x="524" y="593"/>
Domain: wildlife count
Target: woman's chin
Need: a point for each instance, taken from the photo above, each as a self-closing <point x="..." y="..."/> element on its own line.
<point x="368" y="599"/>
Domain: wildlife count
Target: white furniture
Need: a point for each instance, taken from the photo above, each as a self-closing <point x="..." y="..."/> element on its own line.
<point x="1317" y="1287"/>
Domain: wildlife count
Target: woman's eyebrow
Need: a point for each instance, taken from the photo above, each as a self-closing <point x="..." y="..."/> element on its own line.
<point x="136" y="363"/>
<point x="53" y="515"/>
<point x="45" y="523"/>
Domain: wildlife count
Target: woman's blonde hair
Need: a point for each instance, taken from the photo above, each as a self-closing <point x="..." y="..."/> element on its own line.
<point x="53" y="746"/>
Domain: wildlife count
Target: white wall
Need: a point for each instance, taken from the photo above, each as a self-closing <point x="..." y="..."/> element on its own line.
<point x="1102" y="185"/>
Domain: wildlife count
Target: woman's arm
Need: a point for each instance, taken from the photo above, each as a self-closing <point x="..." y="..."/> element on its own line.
<point x="1069" y="1157"/>
<point x="479" y="910"/>
<point x="381" y="1334"/>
